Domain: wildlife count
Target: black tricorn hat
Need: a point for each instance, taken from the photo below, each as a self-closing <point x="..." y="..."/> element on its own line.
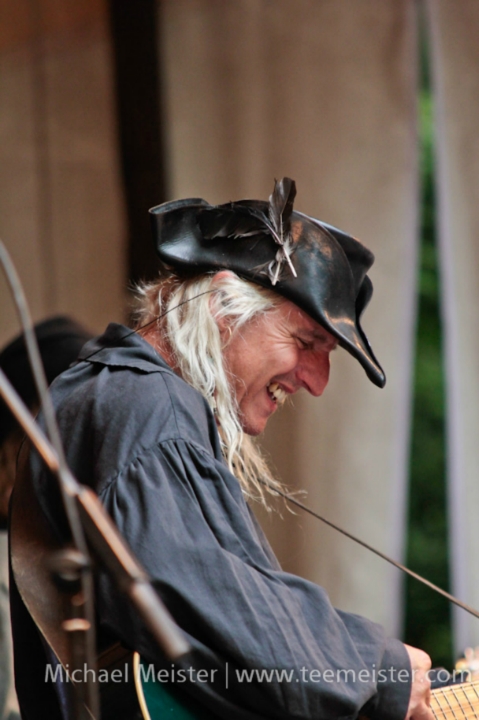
<point x="319" y="268"/>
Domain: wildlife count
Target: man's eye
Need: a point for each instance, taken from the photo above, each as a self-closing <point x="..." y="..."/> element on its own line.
<point x="304" y="344"/>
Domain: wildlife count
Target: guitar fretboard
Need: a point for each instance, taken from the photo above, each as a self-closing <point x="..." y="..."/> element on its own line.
<point x="456" y="702"/>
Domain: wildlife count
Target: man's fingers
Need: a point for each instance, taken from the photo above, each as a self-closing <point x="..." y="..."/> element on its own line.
<point x="420" y="699"/>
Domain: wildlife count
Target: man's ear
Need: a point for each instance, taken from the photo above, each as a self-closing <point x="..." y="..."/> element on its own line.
<point x="224" y="326"/>
<point x="216" y="281"/>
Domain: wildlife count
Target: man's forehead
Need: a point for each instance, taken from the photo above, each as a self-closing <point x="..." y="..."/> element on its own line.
<point x="309" y="328"/>
<point x="302" y="324"/>
<point x="318" y="333"/>
<point x="303" y="321"/>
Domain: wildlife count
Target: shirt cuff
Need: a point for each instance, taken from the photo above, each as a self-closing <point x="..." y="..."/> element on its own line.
<point x="394" y="685"/>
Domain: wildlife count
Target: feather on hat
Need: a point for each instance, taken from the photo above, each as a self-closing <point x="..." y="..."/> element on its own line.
<point x="314" y="265"/>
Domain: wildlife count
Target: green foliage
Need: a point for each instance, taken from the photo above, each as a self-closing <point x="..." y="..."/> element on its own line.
<point x="427" y="614"/>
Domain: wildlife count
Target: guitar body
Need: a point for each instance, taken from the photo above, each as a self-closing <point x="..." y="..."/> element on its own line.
<point x="159" y="700"/>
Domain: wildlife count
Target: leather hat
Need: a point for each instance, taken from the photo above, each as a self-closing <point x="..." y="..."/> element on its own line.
<point x="321" y="269"/>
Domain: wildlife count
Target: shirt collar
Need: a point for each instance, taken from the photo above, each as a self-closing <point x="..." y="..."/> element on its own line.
<point x="120" y="346"/>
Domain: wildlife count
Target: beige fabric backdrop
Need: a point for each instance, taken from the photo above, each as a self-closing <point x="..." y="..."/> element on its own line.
<point x="60" y="211"/>
<point x="322" y="91"/>
<point x="455" y="54"/>
<point x="60" y="203"/>
<point x="256" y="89"/>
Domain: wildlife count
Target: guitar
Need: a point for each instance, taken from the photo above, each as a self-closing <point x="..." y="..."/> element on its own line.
<point x="32" y="541"/>
<point x="456" y="702"/>
<point x="158" y="701"/>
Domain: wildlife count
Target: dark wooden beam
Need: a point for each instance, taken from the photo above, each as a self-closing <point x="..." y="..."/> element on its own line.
<point x="135" y="38"/>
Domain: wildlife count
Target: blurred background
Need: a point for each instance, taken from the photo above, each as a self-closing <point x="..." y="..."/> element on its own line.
<point x="372" y="106"/>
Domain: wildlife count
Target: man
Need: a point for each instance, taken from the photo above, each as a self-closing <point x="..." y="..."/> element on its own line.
<point x="253" y="299"/>
<point x="60" y="340"/>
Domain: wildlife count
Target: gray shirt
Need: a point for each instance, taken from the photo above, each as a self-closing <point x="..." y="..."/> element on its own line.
<point x="147" y="442"/>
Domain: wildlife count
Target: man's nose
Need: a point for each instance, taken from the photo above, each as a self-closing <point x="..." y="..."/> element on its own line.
<point x="313" y="373"/>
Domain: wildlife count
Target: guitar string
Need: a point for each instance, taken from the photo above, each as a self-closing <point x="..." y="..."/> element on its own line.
<point x="464" y="686"/>
<point x="150" y="322"/>
<point x="451" y="690"/>
<point x="439" y="706"/>
<point x="474" y="688"/>
<point x="449" y="704"/>
<point x="468" y="684"/>
<point x="372" y="549"/>
<point x="460" y="704"/>
<point x="468" y="700"/>
<point x="296" y="502"/>
<point x="352" y="537"/>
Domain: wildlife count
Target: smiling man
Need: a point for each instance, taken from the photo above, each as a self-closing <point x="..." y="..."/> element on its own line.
<point x="275" y="356"/>
<point x="252" y="299"/>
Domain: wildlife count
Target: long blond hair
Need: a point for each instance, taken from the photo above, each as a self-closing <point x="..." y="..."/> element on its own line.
<point x="187" y="311"/>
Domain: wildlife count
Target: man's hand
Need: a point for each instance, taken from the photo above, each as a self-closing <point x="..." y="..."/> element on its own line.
<point x="420" y="700"/>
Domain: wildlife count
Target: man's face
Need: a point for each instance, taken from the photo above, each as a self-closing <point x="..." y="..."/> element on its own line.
<point x="276" y="355"/>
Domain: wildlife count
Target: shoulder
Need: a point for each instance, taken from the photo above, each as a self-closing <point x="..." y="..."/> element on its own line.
<point x="162" y="406"/>
<point x="121" y="399"/>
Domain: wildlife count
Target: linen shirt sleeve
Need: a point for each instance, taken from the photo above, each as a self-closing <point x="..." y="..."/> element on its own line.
<point x="277" y="646"/>
<point x="273" y="645"/>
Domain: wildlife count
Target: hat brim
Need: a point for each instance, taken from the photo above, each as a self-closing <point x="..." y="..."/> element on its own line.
<point x="331" y="286"/>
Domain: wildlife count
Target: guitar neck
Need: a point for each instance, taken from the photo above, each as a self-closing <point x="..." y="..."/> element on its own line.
<point x="456" y="702"/>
